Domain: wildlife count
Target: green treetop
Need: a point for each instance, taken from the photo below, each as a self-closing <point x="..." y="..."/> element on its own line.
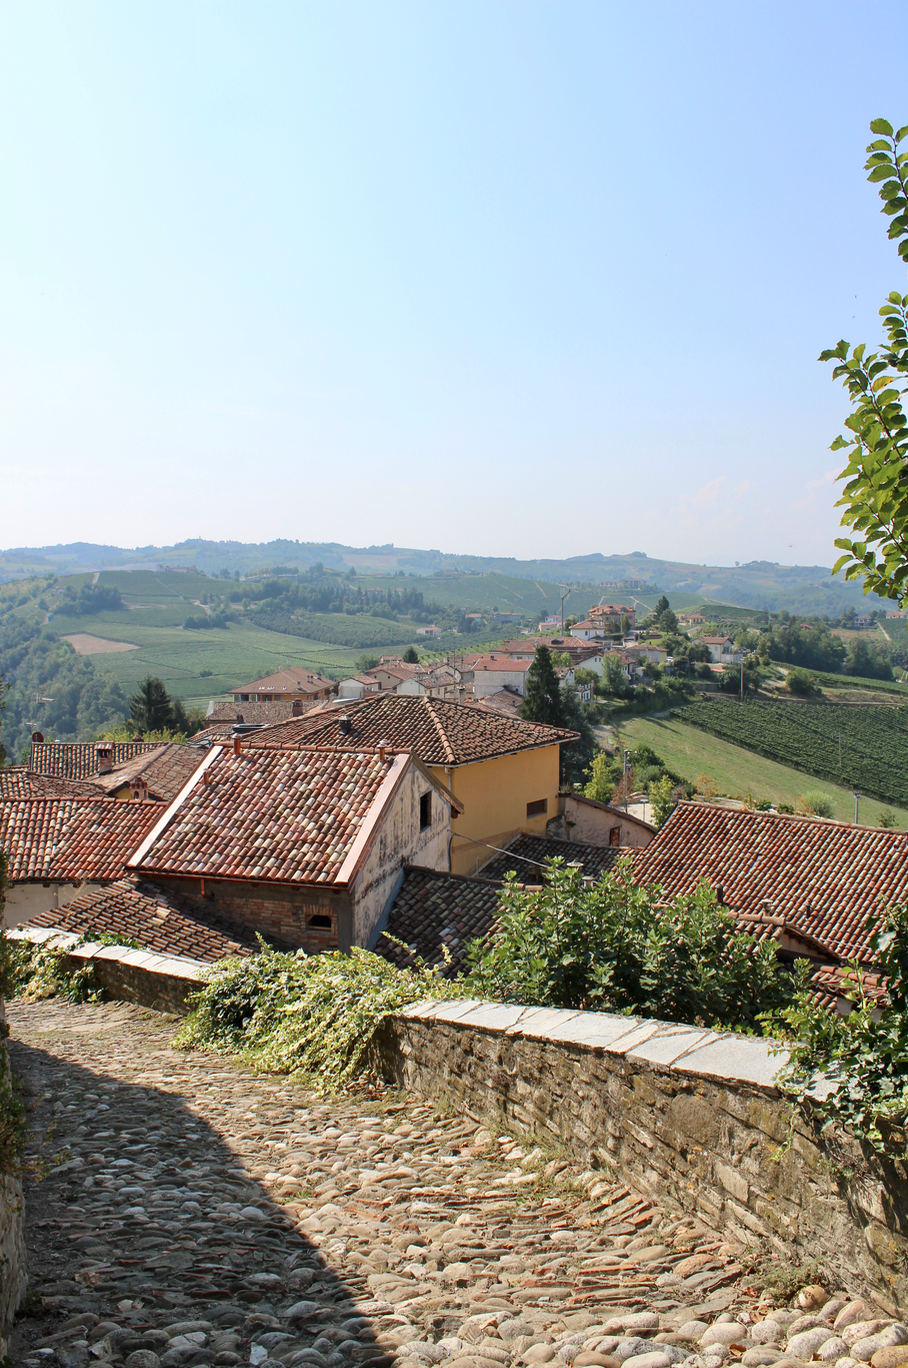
<point x="875" y="496"/>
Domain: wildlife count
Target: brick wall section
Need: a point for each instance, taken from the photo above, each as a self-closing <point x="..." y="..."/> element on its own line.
<point x="687" y="1115"/>
<point x="281" y="912"/>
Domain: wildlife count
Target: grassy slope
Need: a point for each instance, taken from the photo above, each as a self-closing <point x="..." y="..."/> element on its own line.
<point x="236" y="656"/>
<point x="737" y="772"/>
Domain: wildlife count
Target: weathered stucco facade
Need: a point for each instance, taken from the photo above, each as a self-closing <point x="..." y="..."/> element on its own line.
<point x="25" y="900"/>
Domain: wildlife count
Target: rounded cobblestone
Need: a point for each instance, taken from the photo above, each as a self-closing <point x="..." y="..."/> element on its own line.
<point x="185" y="1210"/>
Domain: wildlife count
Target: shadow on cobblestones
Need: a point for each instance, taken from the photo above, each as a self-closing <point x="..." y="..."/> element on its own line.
<point x="141" y="1217"/>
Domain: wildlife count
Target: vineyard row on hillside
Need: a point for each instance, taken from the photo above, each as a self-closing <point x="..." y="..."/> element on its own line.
<point x="872" y="742"/>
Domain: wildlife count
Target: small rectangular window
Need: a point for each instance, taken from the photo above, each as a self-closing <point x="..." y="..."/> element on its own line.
<point x="425" y="811"/>
<point x="614" y="836"/>
<point x="536" y="809"/>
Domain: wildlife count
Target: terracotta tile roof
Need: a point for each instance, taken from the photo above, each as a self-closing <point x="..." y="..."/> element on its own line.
<point x="501" y="663"/>
<point x="504" y="701"/>
<point x="293" y="679"/>
<point x="281" y="816"/>
<point x="438" y="730"/>
<point x="67" y="840"/>
<point x="434" y="909"/>
<point x="436" y="912"/>
<point x="526" y="855"/>
<point x="165" y="770"/>
<point x="823" y="878"/>
<point x="158" y="920"/>
<point x="274" y="710"/>
<point x="18" y="781"/>
<point x="830" y="984"/>
<point x="79" y="759"/>
<point x="521" y="645"/>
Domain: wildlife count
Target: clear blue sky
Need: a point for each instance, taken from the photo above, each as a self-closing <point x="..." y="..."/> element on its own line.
<point x="510" y="278"/>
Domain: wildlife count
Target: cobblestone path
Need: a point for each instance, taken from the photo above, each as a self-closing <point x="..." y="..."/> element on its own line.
<point x="184" y="1210"/>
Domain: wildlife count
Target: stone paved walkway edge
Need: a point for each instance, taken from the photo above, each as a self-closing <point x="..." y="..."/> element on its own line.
<point x="689" y="1116"/>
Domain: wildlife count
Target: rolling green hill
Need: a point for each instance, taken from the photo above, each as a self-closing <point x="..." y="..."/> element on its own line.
<point x="757" y="584"/>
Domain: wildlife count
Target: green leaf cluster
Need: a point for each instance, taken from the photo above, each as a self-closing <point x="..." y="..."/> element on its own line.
<point x="617" y="947"/>
<point x="310" y="1015"/>
<point x="875" y="496"/>
<point x="863" y="1055"/>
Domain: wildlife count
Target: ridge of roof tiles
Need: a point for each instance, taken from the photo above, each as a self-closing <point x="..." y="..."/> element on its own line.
<point x="165" y="770"/>
<point x="158" y="919"/>
<point x="438" y="730"/>
<point x="276" y="816"/>
<point x="823" y="878"/>
<point x="17" y="781"/>
<point x="79" y="759"/>
<point x="72" y="840"/>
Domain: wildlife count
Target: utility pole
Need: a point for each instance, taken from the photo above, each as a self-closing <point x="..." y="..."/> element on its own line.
<point x="857" y="798"/>
<point x="839" y="734"/>
<point x="566" y="594"/>
<point x="627" y="770"/>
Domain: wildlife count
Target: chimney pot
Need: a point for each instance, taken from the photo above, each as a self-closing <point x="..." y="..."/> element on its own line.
<point x="237" y="745"/>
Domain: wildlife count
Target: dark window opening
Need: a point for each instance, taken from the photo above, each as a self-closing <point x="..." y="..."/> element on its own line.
<point x="320" y="923"/>
<point x="536" y="809"/>
<point x="614" y="835"/>
<point x="425" y="811"/>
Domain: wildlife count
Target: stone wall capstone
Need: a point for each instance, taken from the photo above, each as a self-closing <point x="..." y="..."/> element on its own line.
<point x="687" y="1115"/>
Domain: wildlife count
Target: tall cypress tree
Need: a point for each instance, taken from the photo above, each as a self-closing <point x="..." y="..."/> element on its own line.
<point x="543" y="695"/>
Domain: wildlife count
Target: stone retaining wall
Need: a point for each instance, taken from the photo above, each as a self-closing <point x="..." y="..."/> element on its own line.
<point x="165" y="983"/>
<point x="13" y="1278"/>
<point x="689" y="1116"/>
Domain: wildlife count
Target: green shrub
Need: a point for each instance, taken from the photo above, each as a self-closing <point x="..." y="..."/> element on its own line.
<point x="314" y="1015"/>
<point x="816" y="804"/>
<point x="616" y="947"/>
<point x="801" y="684"/>
<point x="34" y="972"/>
<point x="866" y="1060"/>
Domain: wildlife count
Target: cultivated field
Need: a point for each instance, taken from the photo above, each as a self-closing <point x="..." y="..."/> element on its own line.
<point x="83" y="643"/>
<point x="861" y="745"/>
<point x="739" y="773"/>
<point x="234" y="656"/>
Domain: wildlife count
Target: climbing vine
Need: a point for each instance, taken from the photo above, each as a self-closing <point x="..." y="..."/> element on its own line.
<point x="311" y="1015"/>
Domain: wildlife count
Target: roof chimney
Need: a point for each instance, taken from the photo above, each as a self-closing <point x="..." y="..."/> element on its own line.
<point x="345" y="725"/>
<point x="383" y="746"/>
<point x="237" y="745"/>
<point x="104" y="754"/>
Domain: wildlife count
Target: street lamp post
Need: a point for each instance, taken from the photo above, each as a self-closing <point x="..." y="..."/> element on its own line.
<point x="857" y="798"/>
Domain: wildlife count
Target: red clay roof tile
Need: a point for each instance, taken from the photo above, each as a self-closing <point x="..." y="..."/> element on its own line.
<point x="438" y="730"/>
<point x="79" y="759"/>
<point x="824" y="878"/>
<point x="67" y="840"/>
<point x="159" y="920"/>
<point x="280" y="816"/>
